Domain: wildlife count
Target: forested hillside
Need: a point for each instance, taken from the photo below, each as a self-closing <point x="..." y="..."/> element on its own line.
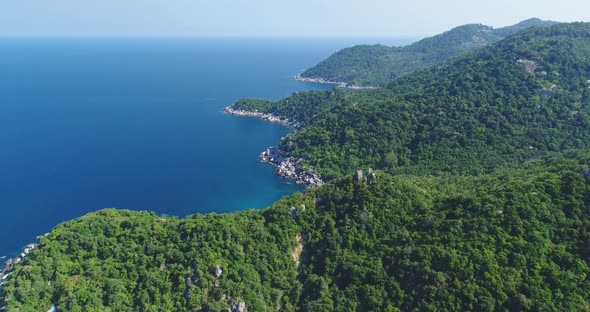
<point x="480" y="202"/>
<point x="377" y="65"/>
<point x="520" y="98"/>
<point x="517" y="239"/>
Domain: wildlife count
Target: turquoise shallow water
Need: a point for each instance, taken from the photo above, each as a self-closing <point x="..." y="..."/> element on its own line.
<point x="136" y="123"/>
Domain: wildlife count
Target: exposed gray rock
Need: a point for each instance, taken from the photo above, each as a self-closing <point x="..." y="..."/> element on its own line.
<point x="529" y="65"/>
<point x="338" y="83"/>
<point x="359" y="176"/>
<point x="238" y="307"/>
<point x="218" y="272"/>
<point x="585" y="173"/>
<point x="369" y="177"/>
<point x="290" y="167"/>
<point x="230" y="110"/>
<point x="8" y="266"/>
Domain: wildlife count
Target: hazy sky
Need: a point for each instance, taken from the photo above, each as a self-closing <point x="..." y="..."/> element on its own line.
<point x="270" y="17"/>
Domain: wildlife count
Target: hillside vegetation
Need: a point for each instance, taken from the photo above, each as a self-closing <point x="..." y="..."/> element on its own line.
<point x="377" y="65"/>
<point x="481" y="202"/>
<point x="517" y="239"/>
<point x="519" y="98"/>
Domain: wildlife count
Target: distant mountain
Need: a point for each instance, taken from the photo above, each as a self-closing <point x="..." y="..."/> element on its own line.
<point x="377" y="65"/>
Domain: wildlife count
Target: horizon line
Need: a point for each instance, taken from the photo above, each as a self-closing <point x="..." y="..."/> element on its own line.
<point x="183" y="36"/>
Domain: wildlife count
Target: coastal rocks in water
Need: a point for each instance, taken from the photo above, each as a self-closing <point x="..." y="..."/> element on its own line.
<point x="264" y="116"/>
<point x="339" y="84"/>
<point x="7" y="268"/>
<point x="238" y="307"/>
<point x="290" y="167"/>
<point x="10" y="263"/>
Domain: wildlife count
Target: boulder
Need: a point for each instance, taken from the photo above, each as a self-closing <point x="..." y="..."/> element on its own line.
<point x="238" y="307"/>
<point x="218" y="272"/>
<point x="359" y="176"/>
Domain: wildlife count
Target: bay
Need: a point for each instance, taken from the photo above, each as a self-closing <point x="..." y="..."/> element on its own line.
<point x="136" y="123"/>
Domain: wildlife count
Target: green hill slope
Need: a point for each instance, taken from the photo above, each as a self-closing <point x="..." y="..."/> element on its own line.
<point x="513" y="240"/>
<point x="378" y="65"/>
<point x="481" y="203"/>
<point x="516" y="99"/>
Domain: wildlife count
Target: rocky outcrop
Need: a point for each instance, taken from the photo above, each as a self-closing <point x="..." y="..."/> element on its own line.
<point x="337" y="83"/>
<point x="300" y="238"/>
<point x="290" y="167"/>
<point x="230" y="110"/>
<point x="286" y="167"/>
<point x="368" y="178"/>
<point x="238" y="307"/>
<point x="529" y="65"/>
<point x="8" y="266"/>
<point x="218" y="272"/>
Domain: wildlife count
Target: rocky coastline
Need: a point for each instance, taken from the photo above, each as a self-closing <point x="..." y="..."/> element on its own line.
<point x="290" y="167"/>
<point x="337" y="83"/>
<point x="286" y="167"/>
<point x="8" y="266"/>
<point x="264" y="116"/>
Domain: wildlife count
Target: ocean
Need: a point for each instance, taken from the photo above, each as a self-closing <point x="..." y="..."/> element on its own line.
<point x="136" y="123"/>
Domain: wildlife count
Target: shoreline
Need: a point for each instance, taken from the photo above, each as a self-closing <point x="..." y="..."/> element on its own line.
<point x="8" y="267"/>
<point x="289" y="167"/>
<point x="293" y="124"/>
<point x="339" y="84"/>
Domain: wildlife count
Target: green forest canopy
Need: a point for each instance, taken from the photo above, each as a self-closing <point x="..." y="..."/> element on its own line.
<point x="377" y="65"/>
<point x="481" y="203"/>
<point x="517" y="239"/>
<point x="519" y="98"/>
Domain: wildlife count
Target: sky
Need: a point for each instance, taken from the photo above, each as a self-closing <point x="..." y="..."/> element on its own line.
<point x="271" y="18"/>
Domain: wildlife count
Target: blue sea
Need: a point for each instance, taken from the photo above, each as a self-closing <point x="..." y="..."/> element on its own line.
<point x="87" y="124"/>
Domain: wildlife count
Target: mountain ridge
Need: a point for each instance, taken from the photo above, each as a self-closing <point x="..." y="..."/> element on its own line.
<point x="377" y="65"/>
